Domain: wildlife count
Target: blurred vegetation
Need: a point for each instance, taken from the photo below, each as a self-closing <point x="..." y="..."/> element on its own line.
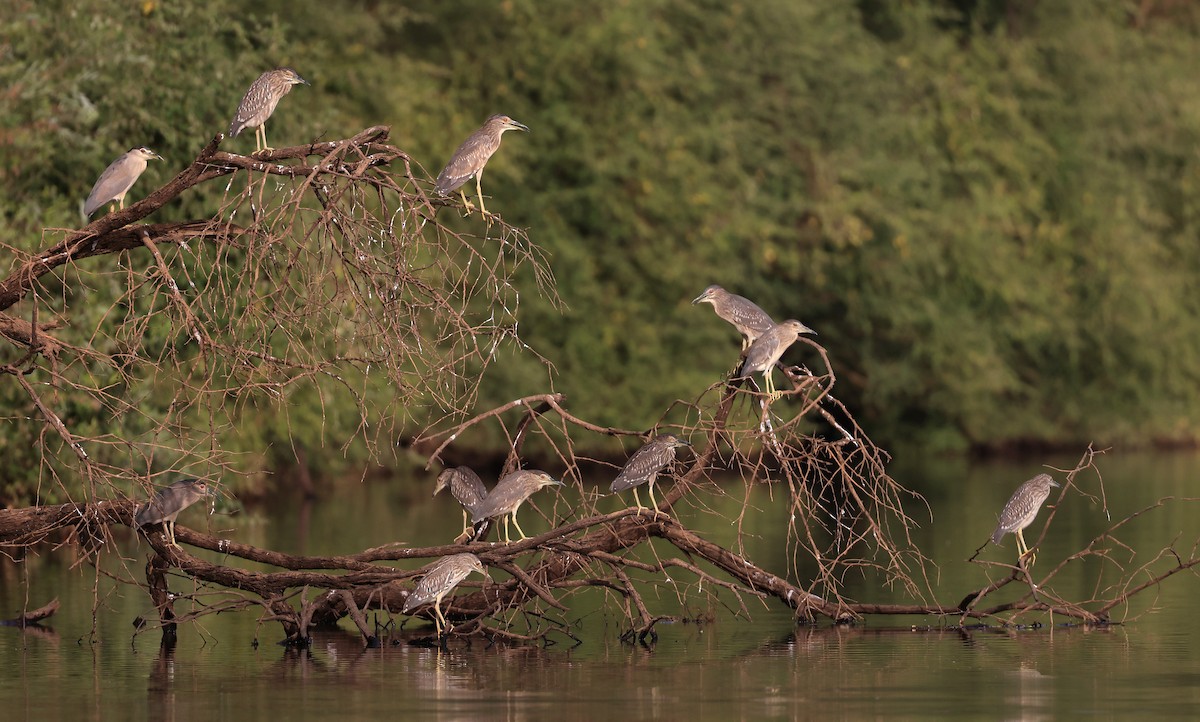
<point x="984" y="207"/>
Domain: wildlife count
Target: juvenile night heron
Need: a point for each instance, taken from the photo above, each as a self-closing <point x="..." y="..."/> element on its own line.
<point x="645" y="464"/>
<point x="259" y="102"/>
<point x="117" y="179"/>
<point x="509" y="494"/>
<point x="750" y="320"/>
<point x="766" y="350"/>
<point x="443" y="576"/>
<point x="472" y="156"/>
<point x="168" y="502"/>
<point x="1021" y="509"/>
<point x="465" y="486"/>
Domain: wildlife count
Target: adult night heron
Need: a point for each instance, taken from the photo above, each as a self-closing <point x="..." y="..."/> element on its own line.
<point x="750" y="320"/>
<point x="764" y="353"/>
<point x="168" y="502"/>
<point x="465" y="486"/>
<point x="509" y="494"/>
<point x="443" y="576"/>
<point x="1021" y="509"/>
<point x="259" y="102"/>
<point x="472" y="156"/>
<point x="117" y="179"/>
<point x="645" y="464"/>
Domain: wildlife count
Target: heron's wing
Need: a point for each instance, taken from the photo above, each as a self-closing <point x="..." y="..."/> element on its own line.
<point x="444" y="576"/>
<point x="470" y="489"/>
<point x="745" y="313"/>
<point x="113" y="182"/>
<point x="643" y="466"/>
<point x="508" y="493"/>
<point x="257" y="104"/>
<point x="758" y="356"/>
<point x="146" y="514"/>
<point x="468" y="160"/>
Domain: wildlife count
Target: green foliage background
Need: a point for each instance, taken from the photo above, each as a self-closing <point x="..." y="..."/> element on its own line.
<point x="987" y="209"/>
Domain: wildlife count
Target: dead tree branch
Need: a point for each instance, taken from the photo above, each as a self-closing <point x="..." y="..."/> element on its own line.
<point x="322" y="270"/>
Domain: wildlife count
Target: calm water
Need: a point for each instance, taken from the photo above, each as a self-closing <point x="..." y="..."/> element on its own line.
<point x="731" y="669"/>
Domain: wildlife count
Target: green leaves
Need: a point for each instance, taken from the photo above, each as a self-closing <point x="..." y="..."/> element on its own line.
<point x="990" y="218"/>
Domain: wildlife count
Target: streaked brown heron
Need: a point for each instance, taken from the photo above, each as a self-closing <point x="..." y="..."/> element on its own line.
<point x="167" y="503"/>
<point x="646" y="464"/>
<point x="764" y="353"/>
<point x="509" y="494"/>
<point x="117" y="179"/>
<point x="472" y="156"/>
<point x="1020" y="511"/>
<point x="465" y="486"/>
<point x="745" y="315"/>
<point x="259" y="102"/>
<point x="443" y="576"/>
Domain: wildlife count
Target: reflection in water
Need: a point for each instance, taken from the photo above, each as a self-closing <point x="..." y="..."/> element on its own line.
<point x="303" y="524"/>
<point x="1030" y="694"/>
<point x="160" y="691"/>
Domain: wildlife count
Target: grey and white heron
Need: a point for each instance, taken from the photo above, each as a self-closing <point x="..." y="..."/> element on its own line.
<point x="472" y="156"/>
<point x="765" y="352"/>
<point x="745" y="315"/>
<point x="169" y="502"/>
<point x="117" y="179"/>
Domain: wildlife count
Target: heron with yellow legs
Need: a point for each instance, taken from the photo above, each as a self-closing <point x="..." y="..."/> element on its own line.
<point x="512" y="491"/>
<point x="441" y="579"/>
<point x="646" y="464"/>
<point x="167" y="504"/>
<point x="117" y="179"/>
<point x="767" y="349"/>
<point x="1020" y="511"/>
<point x="259" y="103"/>
<point x="471" y="157"/>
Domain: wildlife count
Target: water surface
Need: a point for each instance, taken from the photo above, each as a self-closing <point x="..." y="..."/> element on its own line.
<point x="762" y="667"/>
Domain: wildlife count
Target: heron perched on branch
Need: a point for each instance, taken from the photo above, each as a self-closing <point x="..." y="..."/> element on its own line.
<point x="764" y="353"/>
<point x="1020" y="511"/>
<point x="472" y="156"/>
<point x="443" y="576"/>
<point x="117" y="179"/>
<point x="259" y="102"/>
<point x="745" y="315"/>
<point x="167" y="503"/>
<point x="645" y="464"/>
<point x="465" y="486"/>
<point x="509" y="494"/>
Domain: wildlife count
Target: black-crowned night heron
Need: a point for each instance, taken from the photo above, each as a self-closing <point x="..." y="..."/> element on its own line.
<point x="509" y="494"/>
<point x="117" y="179"/>
<point x="1021" y="509"/>
<point x="766" y="350"/>
<point x="168" y="502"/>
<point x="259" y="102"/>
<point x="443" y="576"/>
<point x="472" y="156"/>
<point x="465" y="486"/>
<point x="750" y="320"/>
<point x="645" y="464"/>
